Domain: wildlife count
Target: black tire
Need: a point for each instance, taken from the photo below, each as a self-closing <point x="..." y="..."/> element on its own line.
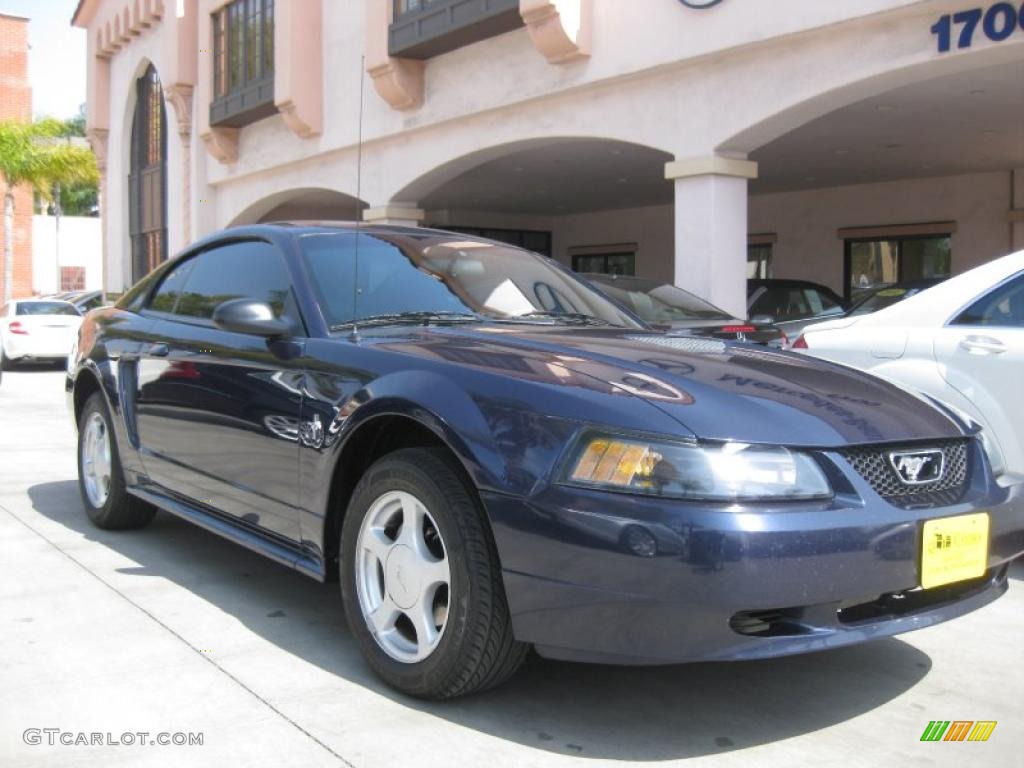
<point x="477" y="650"/>
<point x="121" y="511"/>
<point x="6" y="364"/>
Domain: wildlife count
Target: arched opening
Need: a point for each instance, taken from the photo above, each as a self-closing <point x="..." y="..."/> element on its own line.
<point x="909" y="183"/>
<point x="597" y="205"/>
<point x="305" y="204"/>
<point x="147" y="180"/>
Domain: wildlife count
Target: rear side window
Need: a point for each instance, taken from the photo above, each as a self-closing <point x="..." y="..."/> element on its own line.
<point x="92" y="303"/>
<point x="1001" y="308"/>
<point x="246" y="270"/>
<point x="820" y="302"/>
<point x="166" y="297"/>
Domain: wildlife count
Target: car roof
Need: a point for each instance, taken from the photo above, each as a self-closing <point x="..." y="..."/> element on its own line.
<point x="298" y="228"/>
<point x="783" y="282"/>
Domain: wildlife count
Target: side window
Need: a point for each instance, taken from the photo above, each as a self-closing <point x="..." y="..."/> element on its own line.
<point x="92" y="303"/>
<point x="246" y="270"/>
<point x="1001" y="308"/>
<point x="167" y="294"/>
<point x="796" y="305"/>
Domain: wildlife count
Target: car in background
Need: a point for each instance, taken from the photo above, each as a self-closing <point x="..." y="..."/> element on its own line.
<point x="960" y="342"/>
<point x="41" y="330"/>
<point x="668" y="307"/>
<point x="884" y="296"/>
<point x="83" y="300"/>
<point x="492" y="455"/>
<point x="791" y="304"/>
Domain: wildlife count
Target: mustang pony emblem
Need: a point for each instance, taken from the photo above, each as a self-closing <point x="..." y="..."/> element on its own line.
<point x="918" y="467"/>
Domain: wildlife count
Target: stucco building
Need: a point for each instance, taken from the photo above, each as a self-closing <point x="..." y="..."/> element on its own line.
<point x="849" y="142"/>
<point x="16" y="104"/>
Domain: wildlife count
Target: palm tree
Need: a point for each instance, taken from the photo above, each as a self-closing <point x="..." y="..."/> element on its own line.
<point x="34" y="154"/>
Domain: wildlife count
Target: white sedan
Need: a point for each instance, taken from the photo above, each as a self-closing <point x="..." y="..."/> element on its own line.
<point x="37" y="329"/>
<point x="961" y="342"/>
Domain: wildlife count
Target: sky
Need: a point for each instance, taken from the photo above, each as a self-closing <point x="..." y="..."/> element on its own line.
<point x="56" y="56"/>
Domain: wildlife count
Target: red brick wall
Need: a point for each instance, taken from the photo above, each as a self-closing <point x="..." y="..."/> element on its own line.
<point x="16" y="104"/>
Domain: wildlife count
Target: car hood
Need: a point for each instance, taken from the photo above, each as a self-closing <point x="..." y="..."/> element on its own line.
<point x="716" y="390"/>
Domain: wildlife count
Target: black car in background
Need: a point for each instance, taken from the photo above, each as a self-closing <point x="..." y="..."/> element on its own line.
<point x="792" y="304"/>
<point x="668" y="307"/>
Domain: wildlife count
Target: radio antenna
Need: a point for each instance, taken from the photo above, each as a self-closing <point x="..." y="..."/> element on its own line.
<point x="354" y="336"/>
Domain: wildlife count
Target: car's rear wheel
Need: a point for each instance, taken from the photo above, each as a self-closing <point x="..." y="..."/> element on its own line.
<point x="420" y="579"/>
<point x="6" y="363"/>
<point x="100" y="478"/>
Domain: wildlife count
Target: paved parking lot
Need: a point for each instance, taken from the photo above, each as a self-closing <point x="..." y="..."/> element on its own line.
<point x="171" y="629"/>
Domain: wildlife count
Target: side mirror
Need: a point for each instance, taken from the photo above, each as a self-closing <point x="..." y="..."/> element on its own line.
<point x="763" y="320"/>
<point x="250" y="316"/>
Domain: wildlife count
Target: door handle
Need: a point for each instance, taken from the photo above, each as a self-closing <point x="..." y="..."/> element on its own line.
<point x="158" y="350"/>
<point x="982" y="345"/>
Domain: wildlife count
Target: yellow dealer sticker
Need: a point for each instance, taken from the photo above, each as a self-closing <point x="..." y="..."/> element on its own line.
<point x="954" y="549"/>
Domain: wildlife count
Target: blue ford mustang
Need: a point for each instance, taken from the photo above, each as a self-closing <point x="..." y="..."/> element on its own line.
<point x="493" y="456"/>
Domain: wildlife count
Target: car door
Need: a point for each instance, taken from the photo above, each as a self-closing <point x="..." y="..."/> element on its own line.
<point x="981" y="354"/>
<point x="217" y="410"/>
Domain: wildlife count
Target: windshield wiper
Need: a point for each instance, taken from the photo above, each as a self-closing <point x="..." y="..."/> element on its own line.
<point x="410" y="318"/>
<point x="569" y="318"/>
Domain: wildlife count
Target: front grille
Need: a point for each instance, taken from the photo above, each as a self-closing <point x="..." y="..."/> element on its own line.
<point x="872" y="463"/>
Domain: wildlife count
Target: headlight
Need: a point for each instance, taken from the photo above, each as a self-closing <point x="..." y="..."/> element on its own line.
<point x="712" y="472"/>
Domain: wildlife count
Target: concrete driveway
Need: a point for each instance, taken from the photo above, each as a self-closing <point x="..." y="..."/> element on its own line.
<point x="172" y="630"/>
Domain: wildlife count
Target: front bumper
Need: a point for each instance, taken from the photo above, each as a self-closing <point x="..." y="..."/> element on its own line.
<point x="603" y="577"/>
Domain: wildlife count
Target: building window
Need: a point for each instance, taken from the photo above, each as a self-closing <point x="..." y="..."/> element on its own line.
<point x="422" y="29"/>
<point x="72" y="278"/>
<point x="605" y="260"/>
<point x="532" y="240"/>
<point x="147" y="180"/>
<point x="243" y="63"/>
<point x="871" y="262"/>
<point x="759" y="261"/>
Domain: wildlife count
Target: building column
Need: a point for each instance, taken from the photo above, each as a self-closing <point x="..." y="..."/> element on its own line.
<point x="395" y="214"/>
<point x="711" y="228"/>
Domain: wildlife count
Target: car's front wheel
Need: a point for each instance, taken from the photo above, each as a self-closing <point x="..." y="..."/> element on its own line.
<point x="100" y="478"/>
<point x="420" y="579"/>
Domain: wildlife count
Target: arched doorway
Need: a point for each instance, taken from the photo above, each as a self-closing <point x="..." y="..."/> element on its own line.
<point x="301" y="204"/>
<point x="147" y="181"/>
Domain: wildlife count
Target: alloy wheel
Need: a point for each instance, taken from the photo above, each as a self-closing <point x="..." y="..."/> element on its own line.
<point x="96" y="460"/>
<point x="402" y="575"/>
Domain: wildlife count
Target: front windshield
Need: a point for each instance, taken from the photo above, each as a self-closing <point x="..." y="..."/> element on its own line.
<point x="658" y="303"/>
<point x="882" y="299"/>
<point x="446" y="276"/>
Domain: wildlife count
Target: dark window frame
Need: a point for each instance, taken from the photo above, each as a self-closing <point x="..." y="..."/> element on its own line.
<point x="848" y="244"/>
<point x="243" y="63"/>
<point x="434" y="27"/>
<point x="605" y="255"/>
<point x="302" y="328"/>
<point x="764" y="261"/>
<point x="147" y="178"/>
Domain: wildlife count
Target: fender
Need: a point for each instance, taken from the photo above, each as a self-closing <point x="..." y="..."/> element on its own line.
<point x="486" y="437"/>
<point x="438" y="404"/>
<point x="105" y="374"/>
